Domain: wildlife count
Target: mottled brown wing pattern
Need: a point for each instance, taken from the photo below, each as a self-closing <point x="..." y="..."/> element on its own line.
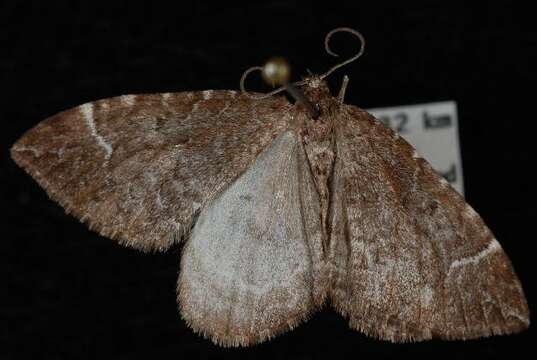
<point x="137" y="168"/>
<point x="411" y="260"/>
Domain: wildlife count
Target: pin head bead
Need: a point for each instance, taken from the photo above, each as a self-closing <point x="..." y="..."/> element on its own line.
<point x="276" y="71"/>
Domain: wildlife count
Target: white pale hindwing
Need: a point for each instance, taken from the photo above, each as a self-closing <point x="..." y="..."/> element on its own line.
<point x="247" y="272"/>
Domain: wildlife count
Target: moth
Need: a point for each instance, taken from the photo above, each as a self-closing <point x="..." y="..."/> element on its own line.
<point x="281" y="208"/>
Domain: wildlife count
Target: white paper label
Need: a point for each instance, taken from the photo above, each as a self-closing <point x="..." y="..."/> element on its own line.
<point x="433" y="130"/>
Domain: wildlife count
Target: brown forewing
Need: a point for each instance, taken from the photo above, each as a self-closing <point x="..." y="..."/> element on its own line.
<point x="411" y="260"/>
<point x="138" y="168"/>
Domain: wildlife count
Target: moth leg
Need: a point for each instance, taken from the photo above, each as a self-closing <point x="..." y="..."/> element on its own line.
<point x="341" y="95"/>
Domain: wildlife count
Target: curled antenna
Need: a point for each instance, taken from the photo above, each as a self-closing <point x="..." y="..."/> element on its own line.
<point x="329" y="51"/>
<point x="272" y="75"/>
<point x="256" y="96"/>
<point x="277" y="72"/>
<point x="263" y="70"/>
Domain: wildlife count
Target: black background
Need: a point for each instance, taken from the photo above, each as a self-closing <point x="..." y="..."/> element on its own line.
<point x="73" y="294"/>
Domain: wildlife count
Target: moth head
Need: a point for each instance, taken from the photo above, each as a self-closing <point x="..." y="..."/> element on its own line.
<point x="316" y="89"/>
<point x="314" y="81"/>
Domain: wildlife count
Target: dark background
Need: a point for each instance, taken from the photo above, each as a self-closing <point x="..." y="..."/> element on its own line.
<point x="73" y="294"/>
